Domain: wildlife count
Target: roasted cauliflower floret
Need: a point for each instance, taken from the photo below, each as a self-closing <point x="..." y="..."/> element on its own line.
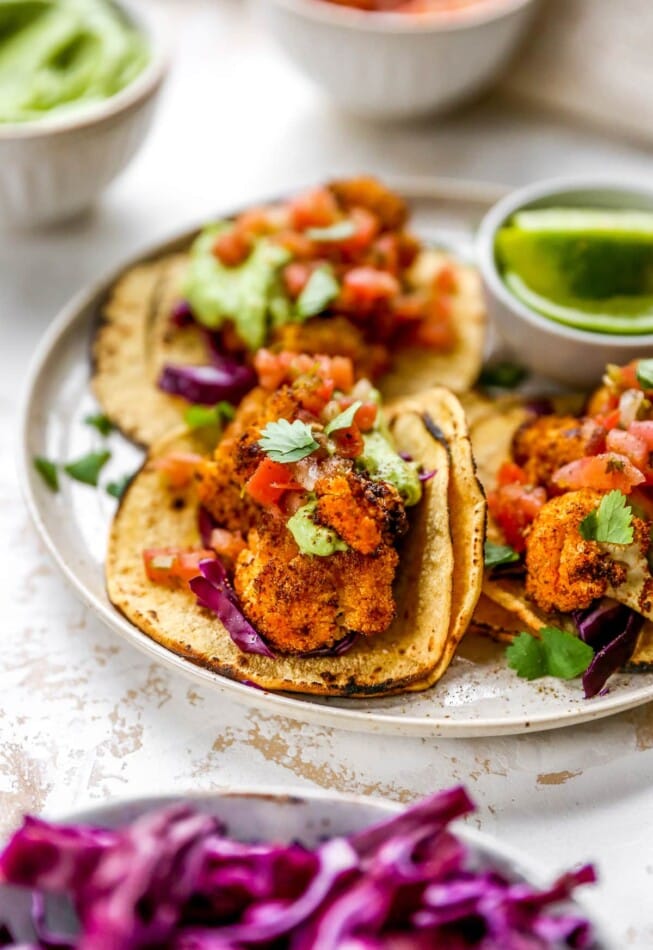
<point x="564" y="571"/>
<point x="367" y="192"/>
<point x="364" y="513"/>
<point x="334" y="336"/>
<point x="301" y="603"/>
<point x="541" y="447"/>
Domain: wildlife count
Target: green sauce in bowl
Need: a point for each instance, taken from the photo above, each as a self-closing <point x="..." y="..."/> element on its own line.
<point x="591" y="269"/>
<point x="57" y="55"/>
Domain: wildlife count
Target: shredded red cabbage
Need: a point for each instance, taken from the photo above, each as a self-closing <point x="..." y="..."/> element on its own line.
<point x="426" y="476"/>
<point x="207" y="385"/>
<point x="182" y="314"/>
<point x="336" y="649"/>
<point x="612" y="630"/>
<point x="174" y="880"/>
<point x="214" y="592"/>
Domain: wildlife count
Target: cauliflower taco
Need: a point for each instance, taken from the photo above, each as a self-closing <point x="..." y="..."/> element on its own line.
<point x="570" y="504"/>
<point x="333" y="271"/>
<point x="319" y="544"/>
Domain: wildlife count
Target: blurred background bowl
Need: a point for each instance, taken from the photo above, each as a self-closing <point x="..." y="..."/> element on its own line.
<point x="575" y="358"/>
<point x="398" y="65"/>
<point x="54" y="168"/>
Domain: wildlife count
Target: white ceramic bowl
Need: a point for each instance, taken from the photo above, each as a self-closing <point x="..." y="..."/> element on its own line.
<point x="54" y="168"/>
<point x="576" y="358"/>
<point x="394" y="65"/>
<point x="277" y="814"/>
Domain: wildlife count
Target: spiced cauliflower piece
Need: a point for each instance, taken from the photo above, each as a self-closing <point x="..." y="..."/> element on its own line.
<point x="300" y="602"/>
<point x="334" y="336"/>
<point x="542" y="446"/>
<point x="363" y="512"/>
<point x="565" y="572"/>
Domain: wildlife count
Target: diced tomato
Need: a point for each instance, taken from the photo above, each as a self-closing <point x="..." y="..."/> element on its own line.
<point x="316" y="208"/>
<point x="227" y="544"/>
<point x="366" y="416"/>
<point x="295" y="277"/>
<point x="232" y="247"/>
<point x="178" y="468"/>
<point x="436" y="329"/>
<point x="365" y="287"/>
<point x="608" y="420"/>
<point x="367" y="227"/>
<point x="174" y="567"/>
<point x="315" y="395"/>
<point x="258" y="221"/>
<point x="385" y="253"/>
<point x="628" y="376"/>
<point x="510" y="474"/>
<point x="604" y="472"/>
<point x="446" y="280"/>
<point x="349" y="442"/>
<point x="625" y="443"/>
<point x="341" y="371"/>
<point x="643" y="430"/>
<point x="296" y="243"/>
<point x="410" y="307"/>
<point x="270" y="481"/>
<point x="514" y="508"/>
<point x="270" y="368"/>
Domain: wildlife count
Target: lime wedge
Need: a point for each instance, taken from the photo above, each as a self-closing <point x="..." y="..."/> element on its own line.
<point x="573" y="252"/>
<point x="617" y="315"/>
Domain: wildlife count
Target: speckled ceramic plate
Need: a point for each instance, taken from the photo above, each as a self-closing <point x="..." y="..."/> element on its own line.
<point x="293" y="815"/>
<point x="478" y="696"/>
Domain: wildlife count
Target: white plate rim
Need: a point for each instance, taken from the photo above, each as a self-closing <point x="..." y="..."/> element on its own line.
<point x="447" y="190"/>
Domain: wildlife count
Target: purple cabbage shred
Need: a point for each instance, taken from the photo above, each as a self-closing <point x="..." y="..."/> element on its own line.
<point x="173" y="879"/>
<point x="611" y="629"/>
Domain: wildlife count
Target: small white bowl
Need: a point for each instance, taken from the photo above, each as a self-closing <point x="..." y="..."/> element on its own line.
<point x="284" y="815"/>
<point x="396" y="65"/>
<point x="54" y="168"/>
<point x="576" y="358"/>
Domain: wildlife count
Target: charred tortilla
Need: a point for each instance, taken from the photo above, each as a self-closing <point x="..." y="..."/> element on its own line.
<point x="135" y="339"/>
<point x="434" y="596"/>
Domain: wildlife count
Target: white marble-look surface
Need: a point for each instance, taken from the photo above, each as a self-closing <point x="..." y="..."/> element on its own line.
<point x="84" y="717"/>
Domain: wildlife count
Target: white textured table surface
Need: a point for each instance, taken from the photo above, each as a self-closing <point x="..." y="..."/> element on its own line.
<point x="83" y="716"/>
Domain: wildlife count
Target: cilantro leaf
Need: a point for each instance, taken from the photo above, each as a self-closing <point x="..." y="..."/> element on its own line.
<point x="102" y="423"/>
<point x="498" y="554"/>
<point x="505" y="375"/>
<point x="335" y="232"/>
<point x="344" y="419"/>
<point x="283" y="442"/>
<point x="645" y="373"/>
<point x="48" y="472"/>
<point x="87" y="469"/>
<point x="526" y="656"/>
<point x="321" y="288"/>
<point x="117" y="489"/>
<point x="611" y="522"/>
<point x="555" y="653"/>
<point x="199" y="417"/>
<point x="567" y="656"/>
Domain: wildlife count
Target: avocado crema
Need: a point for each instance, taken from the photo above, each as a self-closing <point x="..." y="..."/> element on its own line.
<point x="382" y="462"/>
<point x="56" y="55"/>
<point x="248" y="294"/>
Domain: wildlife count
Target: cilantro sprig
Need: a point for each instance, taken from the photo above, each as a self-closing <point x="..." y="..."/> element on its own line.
<point x="504" y="375"/>
<point x="102" y="423"/>
<point x="554" y="653"/>
<point x="87" y="468"/>
<point x="321" y="288"/>
<point x="286" y="442"/>
<point x="48" y="472"/>
<point x="645" y="373"/>
<point x="497" y="555"/>
<point x="344" y="419"/>
<point x="611" y="522"/>
<point x="117" y="489"/>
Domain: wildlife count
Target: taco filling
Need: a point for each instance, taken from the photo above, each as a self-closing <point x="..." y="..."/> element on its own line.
<point x="333" y="271"/>
<point x="311" y="546"/>
<point x="574" y="505"/>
